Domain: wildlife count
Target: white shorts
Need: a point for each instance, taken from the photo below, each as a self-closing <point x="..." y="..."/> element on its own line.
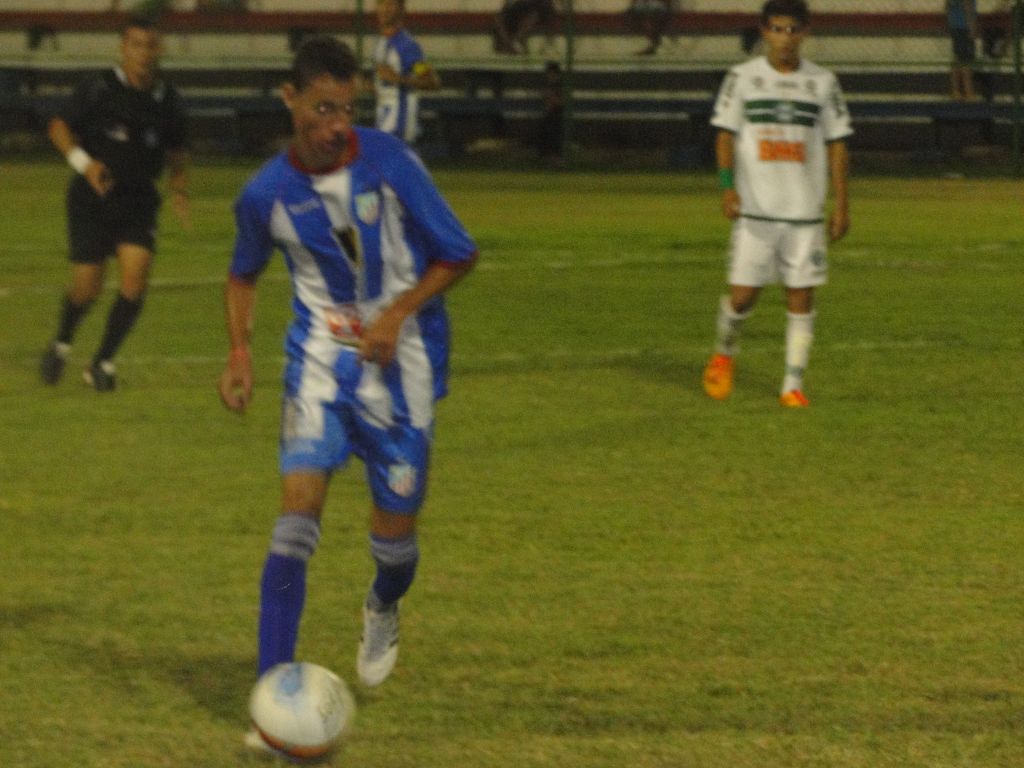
<point x="763" y="252"/>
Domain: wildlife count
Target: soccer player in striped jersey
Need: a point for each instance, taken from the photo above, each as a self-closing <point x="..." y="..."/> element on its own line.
<point x="782" y="124"/>
<point x="401" y="73"/>
<point x="371" y="247"/>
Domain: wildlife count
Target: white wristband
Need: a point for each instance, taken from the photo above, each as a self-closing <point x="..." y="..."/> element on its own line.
<point x="79" y="159"/>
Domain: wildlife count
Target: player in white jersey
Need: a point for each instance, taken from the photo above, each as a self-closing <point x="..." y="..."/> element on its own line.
<point x="782" y="126"/>
<point x="401" y="73"/>
<point x="371" y="247"/>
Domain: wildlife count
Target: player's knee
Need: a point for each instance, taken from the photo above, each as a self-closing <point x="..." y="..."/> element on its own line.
<point x="134" y="292"/>
<point x="295" y="536"/>
<point x="83" y="292"/>
<point x="133" y="284"/>
<point x="742" y="299"/>
<point x="303" y="494"/>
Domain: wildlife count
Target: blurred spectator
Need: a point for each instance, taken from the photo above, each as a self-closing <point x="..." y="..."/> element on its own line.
<point x="652" y="18"/>
<point x="994" y="29"/>
<point x="962" y="20"/>
<point x="549" y="135"/>
<point x="517" y="20"/>
<point x="750" y="40"/>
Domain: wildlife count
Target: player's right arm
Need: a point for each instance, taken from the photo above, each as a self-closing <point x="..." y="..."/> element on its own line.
<point x="725" y="155"/>
<point x="94" y="171"/>
<point x="253" y="248"/>
<point x="236" y="382"/>
<point x="728" y="118"/>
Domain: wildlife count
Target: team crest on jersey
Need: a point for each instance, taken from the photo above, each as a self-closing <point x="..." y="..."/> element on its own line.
<point x="117" y="133"/>
<point x="151" y="138"/>
<point x="785" y="112"/>
<point x="368" y="207"/>
<point x="402" y="479"/>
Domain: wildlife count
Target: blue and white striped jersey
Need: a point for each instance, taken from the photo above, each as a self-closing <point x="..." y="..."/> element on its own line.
<point x="398" y="106"/>
<point x="353" y="239"/>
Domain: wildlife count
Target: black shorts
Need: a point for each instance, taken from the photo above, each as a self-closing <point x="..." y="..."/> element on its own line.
<point x="97" y="225"/>
<point x="514" y="13"/>
<point x="963" y="46"/>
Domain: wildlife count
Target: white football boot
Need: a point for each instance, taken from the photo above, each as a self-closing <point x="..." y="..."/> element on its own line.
<point x="378" y="647"/>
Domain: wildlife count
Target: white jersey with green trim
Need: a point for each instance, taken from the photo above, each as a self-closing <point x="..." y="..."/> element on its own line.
<point x="782" y="122"/>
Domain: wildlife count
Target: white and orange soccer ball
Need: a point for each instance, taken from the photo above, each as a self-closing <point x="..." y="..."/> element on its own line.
<point x="301" y="709"/>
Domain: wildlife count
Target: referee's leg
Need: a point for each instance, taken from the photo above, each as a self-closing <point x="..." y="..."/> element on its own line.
<point x="134" y="262"/>
<point x="85" y="287"/>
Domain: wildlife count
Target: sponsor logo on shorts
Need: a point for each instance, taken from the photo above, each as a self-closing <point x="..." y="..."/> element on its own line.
<point x="402" y="479"/>
<point x="818" y="258"/>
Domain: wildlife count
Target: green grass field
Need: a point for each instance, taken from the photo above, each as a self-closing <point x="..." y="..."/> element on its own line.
<point x="616" y="571"/>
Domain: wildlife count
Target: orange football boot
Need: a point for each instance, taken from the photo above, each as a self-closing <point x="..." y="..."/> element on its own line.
<point x="794" y="399"/>
<point x="718" y="377"/>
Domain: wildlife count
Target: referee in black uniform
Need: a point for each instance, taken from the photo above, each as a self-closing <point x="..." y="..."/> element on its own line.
<point x="118" y="132"/>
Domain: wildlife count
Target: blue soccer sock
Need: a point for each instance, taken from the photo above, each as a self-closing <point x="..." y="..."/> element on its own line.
<point x="396" y="561"/>
<point x="283" y="588"/>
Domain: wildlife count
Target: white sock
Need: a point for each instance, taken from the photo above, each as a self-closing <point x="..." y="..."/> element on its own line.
<point x="799" y="337"/>
<point x="730" y="323"/>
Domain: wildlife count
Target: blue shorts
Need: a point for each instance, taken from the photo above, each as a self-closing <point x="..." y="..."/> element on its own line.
<point x="330" y="413"/>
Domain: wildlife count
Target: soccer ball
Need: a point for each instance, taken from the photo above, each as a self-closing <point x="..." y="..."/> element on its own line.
<point x="301" y="709"/>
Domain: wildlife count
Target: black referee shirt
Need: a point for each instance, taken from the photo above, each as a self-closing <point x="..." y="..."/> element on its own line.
<point x="129" y="130"/>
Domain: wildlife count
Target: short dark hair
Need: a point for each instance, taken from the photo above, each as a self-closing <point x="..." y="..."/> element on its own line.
<point x="322" y="55"/>
<point x="140" y="21"/>
<point x="796" y="9"/>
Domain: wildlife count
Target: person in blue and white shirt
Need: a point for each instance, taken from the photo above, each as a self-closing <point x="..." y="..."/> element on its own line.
<point x="401" y="72"/>
<point x="371" y="246"/>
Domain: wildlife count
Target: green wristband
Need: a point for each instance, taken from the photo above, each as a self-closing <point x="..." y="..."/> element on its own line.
<point x="725" y="178"/>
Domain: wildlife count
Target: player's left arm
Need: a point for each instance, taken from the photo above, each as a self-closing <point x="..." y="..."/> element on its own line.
<point x="177" y="183"/>
<point x="839" y="172"/>
<point x="380" y="340"/>
<point x="453" y="252"/>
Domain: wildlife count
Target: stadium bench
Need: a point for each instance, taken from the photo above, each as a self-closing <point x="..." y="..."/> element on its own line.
<point x="498" y="94"/>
